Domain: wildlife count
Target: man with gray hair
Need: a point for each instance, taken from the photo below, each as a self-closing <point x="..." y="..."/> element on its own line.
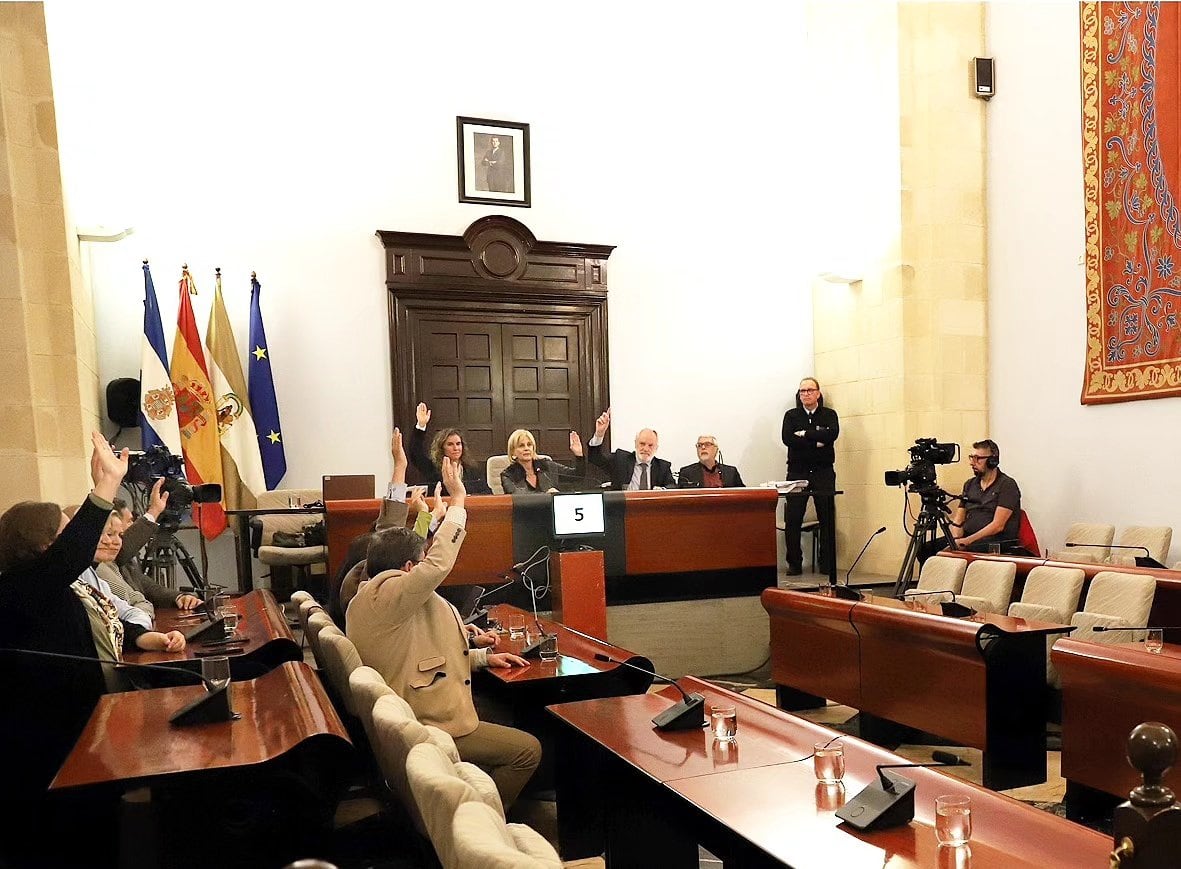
<point x="631" y="470"/>
<point x="708" y="472"/>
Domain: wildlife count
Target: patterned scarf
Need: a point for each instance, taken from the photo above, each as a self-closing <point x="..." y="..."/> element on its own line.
<point x="104" y="620"/>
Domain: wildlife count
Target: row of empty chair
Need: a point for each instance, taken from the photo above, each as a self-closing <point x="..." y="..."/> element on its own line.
<point x="453" y="804"/>
<point x="1094" y="541"/>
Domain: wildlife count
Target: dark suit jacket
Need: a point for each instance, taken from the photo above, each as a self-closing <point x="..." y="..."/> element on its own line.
<point x="475" y="479"/>
<point x="692" y="477"/>
<point x="550" y="475"/>
<point x="620" y="465"/>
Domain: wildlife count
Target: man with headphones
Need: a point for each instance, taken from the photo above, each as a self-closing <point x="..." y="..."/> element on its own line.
<point x="990" y="506"/>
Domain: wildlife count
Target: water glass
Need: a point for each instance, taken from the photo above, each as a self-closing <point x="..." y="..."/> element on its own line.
<point x="294" y="501"/>
<point x="549" y="647"/>
<point x="230" y="623"/>
<point x="516" y="627"/>
<point x="1155" y="641"/>
<point x="828" y="760"/>
<point x="220" y="602"/>
<point x="994" y="549"/>
<point x="725" y="723"/>
<point x="953" y="820"/>
<point x="217" y="670"/>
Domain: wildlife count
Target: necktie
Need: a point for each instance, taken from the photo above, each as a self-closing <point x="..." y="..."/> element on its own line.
<point x="644" y="476"/>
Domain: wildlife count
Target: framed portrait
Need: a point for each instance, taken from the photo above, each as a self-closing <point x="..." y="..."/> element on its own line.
<point x="493" y="161"/>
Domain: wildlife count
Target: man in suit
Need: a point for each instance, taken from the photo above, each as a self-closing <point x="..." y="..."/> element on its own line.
<point x="417" y="641"/>
<point x="631" y="470"/>
<point x="809" y="431"/>
<point x="707" y="472"/>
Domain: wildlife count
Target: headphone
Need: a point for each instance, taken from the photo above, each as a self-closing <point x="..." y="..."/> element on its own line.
<point x="994" y="460"/>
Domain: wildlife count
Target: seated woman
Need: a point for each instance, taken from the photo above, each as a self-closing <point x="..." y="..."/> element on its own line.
<point x="447" y="442"/>
<point x="41" y="557"/>
<point x="528" y="473"/>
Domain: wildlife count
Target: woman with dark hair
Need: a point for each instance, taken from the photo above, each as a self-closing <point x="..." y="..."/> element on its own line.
<point x="42" y="556"/>
<point x="528" y="473"/>
<point x="447" y="442"/>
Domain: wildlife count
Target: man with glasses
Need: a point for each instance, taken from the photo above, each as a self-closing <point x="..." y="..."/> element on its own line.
<point x="990" y="506"/>
<point x="707" y="472"/>
<point x="809" y="431"/>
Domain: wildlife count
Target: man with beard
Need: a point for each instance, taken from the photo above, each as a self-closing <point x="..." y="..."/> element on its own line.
<point x="990" y="505"/>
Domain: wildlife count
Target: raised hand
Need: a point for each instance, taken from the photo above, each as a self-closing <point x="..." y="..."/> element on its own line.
<point x="438" y="507"/>
<point x="108" y="467"/>
<point x="603" y="423"/>
<point x="423" y="414"/>
<point x="415" y="503"/>
<point x="158" y="500"/>
<point x="397" y="450"/>
<point x="575" y="444"/>
<point x="453" y="480"/>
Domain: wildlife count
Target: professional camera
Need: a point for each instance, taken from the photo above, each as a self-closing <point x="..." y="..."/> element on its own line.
<point x="924" y="456"/>
<point x="147" y="466"/>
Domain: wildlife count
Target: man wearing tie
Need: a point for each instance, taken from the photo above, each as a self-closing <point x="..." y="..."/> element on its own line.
<point x="637" y="470"/>
<point x="809" y="430"/>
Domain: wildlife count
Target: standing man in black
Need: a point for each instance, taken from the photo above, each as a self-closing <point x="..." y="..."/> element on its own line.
<point x="809" y="431"/>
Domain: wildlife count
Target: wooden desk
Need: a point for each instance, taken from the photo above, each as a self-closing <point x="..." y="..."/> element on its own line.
<point x="650" y="798"/>
<point x="242" y="536"/>
<point x="978" y="680"/>
<point x="262" y="626"/>
<point x="1106" y="691"/>
<point x="664" y="531"/>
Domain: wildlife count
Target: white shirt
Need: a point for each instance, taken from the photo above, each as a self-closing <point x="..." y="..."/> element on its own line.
<point x="126" y="611"/>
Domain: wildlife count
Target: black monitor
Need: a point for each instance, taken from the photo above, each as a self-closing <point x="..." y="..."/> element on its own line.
<point x="578" y="516"/>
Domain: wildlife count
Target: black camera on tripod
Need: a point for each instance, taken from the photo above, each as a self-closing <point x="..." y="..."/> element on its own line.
<point x="924" y="456"/>
<point x="144" y="467"/>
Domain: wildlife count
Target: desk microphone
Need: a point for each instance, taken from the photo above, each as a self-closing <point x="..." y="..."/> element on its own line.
<point x="688" y="713"/>
<point x="845" y="592"/>
<point x="949" y="607"/>
<point x="1145" y="560"/>
<point x="887" y="802"/>
<point x="207" y="709"/>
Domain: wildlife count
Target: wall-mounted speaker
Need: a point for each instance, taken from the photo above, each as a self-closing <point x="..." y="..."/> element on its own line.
<point x="123" y="402"/>
<point x="983" y="78"/>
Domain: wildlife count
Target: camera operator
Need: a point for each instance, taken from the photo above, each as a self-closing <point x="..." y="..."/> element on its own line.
<point x="809" y="430"/>
<point x="990" y="506"/>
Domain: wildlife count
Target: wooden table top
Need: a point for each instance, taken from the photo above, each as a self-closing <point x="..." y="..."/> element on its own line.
<point x="576" y="652"/>
<point x="261" y="624"/>
<point x="752" y="788"/>
<point x="129" y="737"/>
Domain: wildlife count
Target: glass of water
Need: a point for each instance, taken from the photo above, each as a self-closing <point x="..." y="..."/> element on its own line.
<point x="828" y="760"/>
<point x="229" y="616"/>
<point x="516" y="627"/>
<point x="549" y="647"/>
<point x="725" y="723"/>
<point x="294" y="501"/>
<point x="1155" y="641"/>
<point x="953" y="820"/>
<point x="217" y="670"/>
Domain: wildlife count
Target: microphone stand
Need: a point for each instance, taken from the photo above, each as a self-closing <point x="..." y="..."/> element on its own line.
<point x="686" y="714"/>
<point x="886" y="802"/>
<point x="1145" y="560"/>
<point x="949" y="608"/>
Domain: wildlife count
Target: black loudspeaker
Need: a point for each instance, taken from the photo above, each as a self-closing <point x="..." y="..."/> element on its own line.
<point x="123" y="402"/>
<point x="983" y="78"/>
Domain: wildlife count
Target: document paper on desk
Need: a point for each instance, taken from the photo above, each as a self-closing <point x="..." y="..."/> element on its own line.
<point x="785" y="487"/>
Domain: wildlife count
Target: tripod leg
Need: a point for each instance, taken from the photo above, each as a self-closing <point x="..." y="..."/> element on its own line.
<point x="185" y="560"/>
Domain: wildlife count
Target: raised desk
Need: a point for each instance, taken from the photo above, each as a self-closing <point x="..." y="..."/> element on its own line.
<point x="267" y="640"/>
<point x="978" y="680"/>
<point x="648" y="798"/>
<point x="1106" y="691"/>
<point x="665" y="533"/>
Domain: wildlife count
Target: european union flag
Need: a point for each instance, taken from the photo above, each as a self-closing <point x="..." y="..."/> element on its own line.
<point x="263" y="403"/>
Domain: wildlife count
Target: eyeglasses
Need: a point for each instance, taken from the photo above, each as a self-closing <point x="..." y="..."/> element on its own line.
<point x="701" y="444"/>
<point x="809" y="389"/>
<point x="972" y="458"/>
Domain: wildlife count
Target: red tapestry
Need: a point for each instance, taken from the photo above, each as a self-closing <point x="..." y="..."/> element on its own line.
<point x="1131" y="81"/>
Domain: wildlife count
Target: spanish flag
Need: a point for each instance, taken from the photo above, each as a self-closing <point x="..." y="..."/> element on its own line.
<point x="196" y="410"/>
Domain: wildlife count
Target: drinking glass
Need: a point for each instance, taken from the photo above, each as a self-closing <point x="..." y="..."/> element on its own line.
<point x="220" y="602"/>
<point x="294" y="501"/>
<point x="828" y="760"/>
<point x="549" y="647"/>
<point x="516" y="627"/>
<point x="953" y="820"/>
<point x="994" y="549"/>
<point x="725" y="723"/>
<point x="230" y="623"/>
<point x="216" y="670"/>
<point x="1155" y="641"/>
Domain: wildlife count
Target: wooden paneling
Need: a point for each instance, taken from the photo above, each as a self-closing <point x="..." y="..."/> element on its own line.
<point x="814" y="647"/>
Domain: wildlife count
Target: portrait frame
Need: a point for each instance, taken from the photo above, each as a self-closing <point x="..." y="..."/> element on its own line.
<point x="493" y="162"/>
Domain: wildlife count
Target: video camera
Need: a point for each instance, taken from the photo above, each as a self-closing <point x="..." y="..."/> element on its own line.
<point x="924" y="456"/>
<point x="144" y="467"/>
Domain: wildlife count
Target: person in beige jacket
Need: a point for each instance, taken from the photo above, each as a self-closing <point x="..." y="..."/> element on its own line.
<point x="407" y="632"/>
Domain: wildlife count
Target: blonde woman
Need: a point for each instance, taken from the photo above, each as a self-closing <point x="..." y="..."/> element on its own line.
<point x="528" y="473"/>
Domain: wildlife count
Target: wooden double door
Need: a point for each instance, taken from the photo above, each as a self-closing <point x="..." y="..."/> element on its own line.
<point x="491" y="378"/>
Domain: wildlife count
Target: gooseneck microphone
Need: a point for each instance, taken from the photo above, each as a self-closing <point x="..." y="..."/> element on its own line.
<point x="950" y="608"/>
<point x="845" y="592"/>
<point x="887" y="802"/>
<point x="206" y="709"/>
<point x="1145" y="560"/>
<point x="1101" y="628"/>
<point x="686" y="714"/>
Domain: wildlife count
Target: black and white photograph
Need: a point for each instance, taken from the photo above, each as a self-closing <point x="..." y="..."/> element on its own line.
<point x="493" y="159"/>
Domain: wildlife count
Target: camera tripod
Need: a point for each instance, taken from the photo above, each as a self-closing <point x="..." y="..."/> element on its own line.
<point x="165" y="551"/>
<point x="930" y="523"/>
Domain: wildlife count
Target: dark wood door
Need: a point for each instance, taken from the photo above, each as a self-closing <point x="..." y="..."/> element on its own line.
<point x="541" y="383"/>
<point x="458" y="369"/>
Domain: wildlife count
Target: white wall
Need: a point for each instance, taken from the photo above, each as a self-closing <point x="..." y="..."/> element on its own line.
<point x="241" y="136"/>
<point x="1101" y="463"/>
